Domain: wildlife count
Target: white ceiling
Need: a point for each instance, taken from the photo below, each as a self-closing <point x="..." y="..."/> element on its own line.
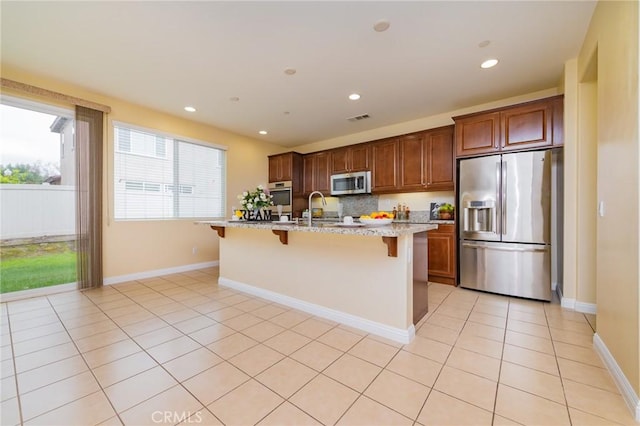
<point x="167" y="55"/>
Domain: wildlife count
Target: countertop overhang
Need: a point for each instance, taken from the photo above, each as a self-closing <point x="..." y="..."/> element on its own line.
<point x="392" y="230"/>
<point x="389" y="233"/>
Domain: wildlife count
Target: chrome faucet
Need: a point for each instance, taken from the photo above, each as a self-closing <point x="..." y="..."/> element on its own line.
<point x="324" y="202"/>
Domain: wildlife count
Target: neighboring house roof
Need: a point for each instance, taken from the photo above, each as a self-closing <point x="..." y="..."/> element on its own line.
<point x="58" y="124"/>
<point x="53" y="180"/>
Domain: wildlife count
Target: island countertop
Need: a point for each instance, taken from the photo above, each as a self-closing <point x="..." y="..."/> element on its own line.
<point x="392" y="230"/>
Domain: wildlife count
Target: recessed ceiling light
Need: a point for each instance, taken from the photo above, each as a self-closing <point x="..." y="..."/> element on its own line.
<point x="263" y="132"/>
<point x="381" y="25"/>
<point x="354" y="96"/>
<point x="489" y="63"/>
<point x="189" y="109"/>
<point x="290" y="71"/>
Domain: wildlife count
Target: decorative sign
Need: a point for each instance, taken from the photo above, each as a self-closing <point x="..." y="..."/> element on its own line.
<point x="256" y="215"/>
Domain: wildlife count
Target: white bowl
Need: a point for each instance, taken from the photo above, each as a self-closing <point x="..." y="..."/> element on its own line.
<point x="376" y="222"/>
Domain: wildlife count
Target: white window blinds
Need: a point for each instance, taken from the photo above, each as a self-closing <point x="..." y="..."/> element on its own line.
<point x="159" y="177"/>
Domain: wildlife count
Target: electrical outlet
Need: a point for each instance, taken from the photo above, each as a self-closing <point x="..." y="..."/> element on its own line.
<point x="194" y="250"/>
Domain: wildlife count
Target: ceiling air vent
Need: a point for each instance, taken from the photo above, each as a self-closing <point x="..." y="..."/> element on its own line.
<point x="358" y="117"/>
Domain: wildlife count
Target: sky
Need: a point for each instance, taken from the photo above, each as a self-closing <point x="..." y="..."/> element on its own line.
<point x="25" y="137"/>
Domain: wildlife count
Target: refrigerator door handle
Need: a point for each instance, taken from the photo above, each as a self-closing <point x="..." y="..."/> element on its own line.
<point x="503" y="229"/>
<point x="498" y="212"/>
<point x="503" y="248"/>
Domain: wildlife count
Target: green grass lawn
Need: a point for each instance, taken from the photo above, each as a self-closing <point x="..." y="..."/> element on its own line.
<point x="37" y="268"/>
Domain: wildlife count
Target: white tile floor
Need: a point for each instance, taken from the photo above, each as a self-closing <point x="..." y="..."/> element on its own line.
<point x="180" y="349"/>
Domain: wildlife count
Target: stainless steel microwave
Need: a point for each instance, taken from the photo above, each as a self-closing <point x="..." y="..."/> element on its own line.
<point x="351" y="183"/>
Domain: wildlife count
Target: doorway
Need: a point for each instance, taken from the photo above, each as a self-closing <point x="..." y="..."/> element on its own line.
<point x="37" y="196"/>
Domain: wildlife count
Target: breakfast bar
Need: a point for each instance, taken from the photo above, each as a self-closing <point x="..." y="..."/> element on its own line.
<point x="370" y="278"/>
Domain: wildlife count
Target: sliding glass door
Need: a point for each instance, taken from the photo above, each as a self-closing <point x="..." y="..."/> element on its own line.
<point x="37" y="195"/>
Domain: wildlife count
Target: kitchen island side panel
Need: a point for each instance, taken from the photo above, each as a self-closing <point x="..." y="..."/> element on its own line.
<point x="347" y="273"/>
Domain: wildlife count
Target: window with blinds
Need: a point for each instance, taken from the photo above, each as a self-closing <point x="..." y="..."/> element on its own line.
<point x="162" y="177"/>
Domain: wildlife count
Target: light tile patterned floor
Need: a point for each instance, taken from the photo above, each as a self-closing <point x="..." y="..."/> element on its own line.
<point x="157" y="351"/>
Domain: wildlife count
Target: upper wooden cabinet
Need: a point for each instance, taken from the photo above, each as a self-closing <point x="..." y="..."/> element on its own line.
<point x="528" y="125"/>
<point x="440" y="159"/>
<point x="384" y="165"/>
<point x="421" y="161"/>
<point x="524" y="126"/>
<point x="285" y="167"/>
<point x="427" y="160"/>
<point x="477" y="134"/>
<point x="355" y="158"/>
<point x="316" y="173"/>
<point x="413" y="161"/>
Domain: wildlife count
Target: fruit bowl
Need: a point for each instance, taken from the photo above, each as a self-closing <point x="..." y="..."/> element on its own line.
<point x="376" y="222"/>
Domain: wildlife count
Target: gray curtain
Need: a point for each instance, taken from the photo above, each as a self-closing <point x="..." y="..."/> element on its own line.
<point x="89" y="141"/>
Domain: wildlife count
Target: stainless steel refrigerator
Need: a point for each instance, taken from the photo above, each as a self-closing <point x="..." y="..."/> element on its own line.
<point x="505" y="224"/>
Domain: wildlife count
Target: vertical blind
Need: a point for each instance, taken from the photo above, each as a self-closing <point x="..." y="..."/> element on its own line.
<point x="89" y="140"/>
<point x="160" y="177"/>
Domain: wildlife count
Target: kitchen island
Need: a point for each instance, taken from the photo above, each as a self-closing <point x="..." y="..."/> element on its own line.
<point x="371" y="278"/>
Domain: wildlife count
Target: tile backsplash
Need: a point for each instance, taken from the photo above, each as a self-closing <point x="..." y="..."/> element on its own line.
<point x="356" y="205"/>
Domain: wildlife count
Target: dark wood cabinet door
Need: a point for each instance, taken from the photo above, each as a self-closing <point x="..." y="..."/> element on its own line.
<point x="442" y="254"/>
<point x="322" y="173"/>
<point x="440" y="160"/>
<point x="286" y="167"/>
<point x="477" y="134"/>
<point x="350" y="159"/>
<point x="274" y="168"/>
<point x="412" y="162"/>
<point x="339" y="160"/>
<point x="360" y="158"/>
<point x="384" y="166"/>
<point x="281" y="167"/>
<point x="527" y="126"/>
<point x="308" y="171"/>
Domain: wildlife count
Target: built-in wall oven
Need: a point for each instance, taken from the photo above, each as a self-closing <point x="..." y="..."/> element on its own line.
<point x="282" y="195"/>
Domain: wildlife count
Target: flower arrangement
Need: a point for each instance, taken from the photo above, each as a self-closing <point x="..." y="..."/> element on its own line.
<point x="255" y="200"/>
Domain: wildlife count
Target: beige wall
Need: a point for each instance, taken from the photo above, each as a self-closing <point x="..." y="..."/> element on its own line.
<point x="613" y="36"/>
<point x="587" y="197"/>
<point x="570" y="258"/>
<point x="132" y="247"/>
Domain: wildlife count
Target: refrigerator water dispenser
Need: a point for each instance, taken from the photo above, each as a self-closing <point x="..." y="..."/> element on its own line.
<point x="479" y="216"/>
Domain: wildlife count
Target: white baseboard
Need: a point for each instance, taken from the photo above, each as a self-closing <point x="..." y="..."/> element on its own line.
<point x="396" y="334"/>
<point x="586" y="308"/>
<point x="625" y="388"/>
<point x="575" y="305"/>
<point x="37" y="292"/>
<point x="159" y="272"/>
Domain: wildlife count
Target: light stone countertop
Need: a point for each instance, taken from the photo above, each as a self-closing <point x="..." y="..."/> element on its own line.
<point x="392" y="230"/>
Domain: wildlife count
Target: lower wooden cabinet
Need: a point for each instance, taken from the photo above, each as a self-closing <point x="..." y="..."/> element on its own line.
<point x="442" y="254"/>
